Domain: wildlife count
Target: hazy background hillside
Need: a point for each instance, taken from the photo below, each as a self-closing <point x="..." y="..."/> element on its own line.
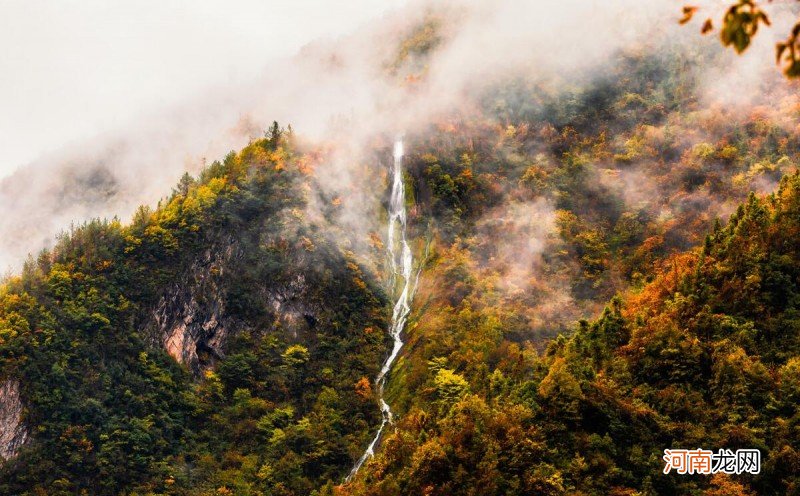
<point x="112" y="122"/>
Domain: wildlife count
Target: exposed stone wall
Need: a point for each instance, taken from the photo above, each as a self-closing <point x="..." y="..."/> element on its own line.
<point x="191" y="320"/>
<point x="13" y="432"/>
<point x="190" y="317"/>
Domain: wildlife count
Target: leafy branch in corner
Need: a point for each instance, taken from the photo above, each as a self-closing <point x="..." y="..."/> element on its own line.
<point x="740" y="24"/>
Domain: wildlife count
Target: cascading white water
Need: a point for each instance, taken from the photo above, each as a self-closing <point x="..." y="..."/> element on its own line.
<point x="402" y="306"/>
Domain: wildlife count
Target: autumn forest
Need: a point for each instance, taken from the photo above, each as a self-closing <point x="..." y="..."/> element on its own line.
<point x="603" y="264"/>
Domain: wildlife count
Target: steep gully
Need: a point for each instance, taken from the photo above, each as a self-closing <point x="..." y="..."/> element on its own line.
<point x="401" y="263"/>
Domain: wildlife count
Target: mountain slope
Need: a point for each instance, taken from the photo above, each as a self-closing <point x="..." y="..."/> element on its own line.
<point x="227" y="341"/>
<point x="706" y="355"/>
<point x="275" y="325"/>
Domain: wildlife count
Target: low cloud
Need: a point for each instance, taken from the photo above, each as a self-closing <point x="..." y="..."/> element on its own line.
<point x="353" y="94"/>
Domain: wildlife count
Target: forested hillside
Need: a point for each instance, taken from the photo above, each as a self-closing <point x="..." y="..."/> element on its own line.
<point x="544" y="213"/>
<point x="608" y="267"/>
<point x="274" y="325"/>
<point x="704" y="355"/>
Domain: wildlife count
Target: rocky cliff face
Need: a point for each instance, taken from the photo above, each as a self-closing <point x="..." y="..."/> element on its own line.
<point x="13" y="432"/>
<point x="289" y="303"/>
<point x="190" y="320"/>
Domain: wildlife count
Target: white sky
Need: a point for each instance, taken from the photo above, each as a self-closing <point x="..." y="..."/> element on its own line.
<point x="71" y="69"/>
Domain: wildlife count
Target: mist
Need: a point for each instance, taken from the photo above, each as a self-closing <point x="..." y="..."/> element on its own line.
<point x="350" y="89"/>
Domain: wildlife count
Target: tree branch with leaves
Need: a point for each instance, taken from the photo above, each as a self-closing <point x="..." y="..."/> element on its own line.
<point x="740" y="24"/>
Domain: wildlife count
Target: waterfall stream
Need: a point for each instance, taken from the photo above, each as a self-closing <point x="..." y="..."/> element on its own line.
<point x="401" y="262"/>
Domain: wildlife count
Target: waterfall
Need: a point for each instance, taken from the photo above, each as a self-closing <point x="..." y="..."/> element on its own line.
<point x="401" y="262"/>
